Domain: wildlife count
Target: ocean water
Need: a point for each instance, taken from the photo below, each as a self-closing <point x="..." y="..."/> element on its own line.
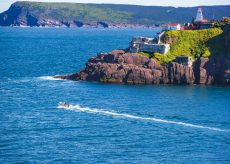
<point x="105" y="123"/>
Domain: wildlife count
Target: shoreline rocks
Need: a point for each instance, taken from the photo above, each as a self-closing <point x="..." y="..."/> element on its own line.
<point x="131" y="68"/>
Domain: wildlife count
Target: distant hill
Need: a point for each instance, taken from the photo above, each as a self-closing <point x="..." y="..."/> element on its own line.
<point x="101" y="15"/>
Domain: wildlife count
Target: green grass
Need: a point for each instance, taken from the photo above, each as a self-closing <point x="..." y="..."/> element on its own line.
<point x="194" y="43"/>
<point x="80" y="12"/>
<point x="149" y="55"/>
<point x="132" y="14"/>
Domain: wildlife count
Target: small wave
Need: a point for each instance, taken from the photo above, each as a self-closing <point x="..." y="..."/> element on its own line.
<point x="78" y="108"/>
<point x="49" y="78"/>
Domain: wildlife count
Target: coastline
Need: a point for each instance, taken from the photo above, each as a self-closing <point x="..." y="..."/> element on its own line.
<point x="104" y="119"/>
<point x="90" y="27"/>
<point x="121" y="67"/>
<point x="136" y="67"/>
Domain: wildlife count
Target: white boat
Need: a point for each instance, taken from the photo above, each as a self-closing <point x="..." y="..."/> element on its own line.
<point x="64" y="104"/>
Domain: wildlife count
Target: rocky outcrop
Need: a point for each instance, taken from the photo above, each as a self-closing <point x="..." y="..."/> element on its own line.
<point x="36" y="14"/>
<point x="20" y="14"/>
<point x="130" y="68"/>
<point x="215" y="70"/>
<point x="17" y="16"/>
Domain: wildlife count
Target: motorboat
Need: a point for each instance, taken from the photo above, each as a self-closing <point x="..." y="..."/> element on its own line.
<point x="64" y="104"/>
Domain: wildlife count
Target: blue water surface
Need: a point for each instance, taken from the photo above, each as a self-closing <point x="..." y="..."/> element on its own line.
<point x="107" y="123"/>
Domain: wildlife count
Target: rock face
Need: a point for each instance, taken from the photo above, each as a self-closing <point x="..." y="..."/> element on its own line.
<point x="213" y="71"/>
<point x="38" y="14"/>
<point x="22" y="16"/>
<point x="131" y="68"/>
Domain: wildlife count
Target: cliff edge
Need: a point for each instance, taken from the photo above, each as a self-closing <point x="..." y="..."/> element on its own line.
<point x="131" y="68"/>
<point x="120" y="66"/>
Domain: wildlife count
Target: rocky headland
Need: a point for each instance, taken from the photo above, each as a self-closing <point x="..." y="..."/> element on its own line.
<point x="212" y="67"/>
<point x="131" y="68"/>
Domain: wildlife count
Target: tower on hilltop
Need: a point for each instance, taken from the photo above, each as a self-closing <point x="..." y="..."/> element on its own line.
<point x="199" y="15"/>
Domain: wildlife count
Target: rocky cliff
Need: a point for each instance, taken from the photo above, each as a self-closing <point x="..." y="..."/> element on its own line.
<point x="130" y="68"/>
<point x="120" y="66"/>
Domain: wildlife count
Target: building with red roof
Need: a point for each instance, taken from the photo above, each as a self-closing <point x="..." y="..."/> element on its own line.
<point x="173" y="26"/>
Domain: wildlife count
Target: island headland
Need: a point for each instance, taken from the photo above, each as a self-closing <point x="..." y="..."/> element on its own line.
<point x="196" y="53"/>
<point x="195" y="57"/>
<point x="82" y="15"/>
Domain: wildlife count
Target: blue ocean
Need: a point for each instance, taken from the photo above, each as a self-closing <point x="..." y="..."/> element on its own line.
<point x="105" y="123"/>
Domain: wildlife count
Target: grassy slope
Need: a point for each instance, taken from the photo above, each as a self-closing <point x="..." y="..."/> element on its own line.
<point x="194" y="43"/>
<point x="133" y="14"/>
<point x="190" y="43"/>
<point x="159" y="14"/>
<point x="68" y="11"/>
<point x="220" y="45"/>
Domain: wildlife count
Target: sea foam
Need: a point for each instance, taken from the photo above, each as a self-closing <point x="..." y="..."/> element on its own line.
<point x="48" y="78"/>
<point x="78" y="108"/>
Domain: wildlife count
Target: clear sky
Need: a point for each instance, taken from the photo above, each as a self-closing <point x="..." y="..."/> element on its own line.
<point x="5" y="4"/>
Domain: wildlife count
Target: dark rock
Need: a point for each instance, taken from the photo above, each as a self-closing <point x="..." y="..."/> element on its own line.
<point x="215" y="70"/>
<point x="78" y="23"/>
<point x="153" y="64"/>
<point x="180" y="74"/>
<point x="131" y="68"/>
<point x="102" y="24"/>
<point x="32" y="21"/>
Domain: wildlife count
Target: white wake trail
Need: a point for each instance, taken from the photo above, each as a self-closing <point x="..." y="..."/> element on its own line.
<point x="49" y="78"/>
<point x="78" y="108"/>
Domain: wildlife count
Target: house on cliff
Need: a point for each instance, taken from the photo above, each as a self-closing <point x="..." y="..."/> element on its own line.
<point x="150" y="45"/>
<point x="173" y="26"/>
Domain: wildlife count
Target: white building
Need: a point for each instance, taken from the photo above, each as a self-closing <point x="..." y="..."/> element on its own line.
<point x="144" y="44"/>
<point x="199" y="15"/>
<point x="173" y="26"/>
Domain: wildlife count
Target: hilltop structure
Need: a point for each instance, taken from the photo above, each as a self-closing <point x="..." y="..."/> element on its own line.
<point x="154" y="46"/>
<point x="173" y="26"/>
<point x="199" y="23"/>
<point x="150" y="45"/>
<point x="199" y="16"/>
<point x="211" y="65"/>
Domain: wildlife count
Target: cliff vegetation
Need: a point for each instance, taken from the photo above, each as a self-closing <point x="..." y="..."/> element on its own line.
<point x="192" y="43"/>
<point x="68" y="11"/>
<point x="195" y="43"/>
<point x="76" y="14"/>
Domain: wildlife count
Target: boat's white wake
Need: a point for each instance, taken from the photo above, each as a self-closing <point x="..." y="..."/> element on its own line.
<point x="48" y="78"/>
<point x="78" y="108"/>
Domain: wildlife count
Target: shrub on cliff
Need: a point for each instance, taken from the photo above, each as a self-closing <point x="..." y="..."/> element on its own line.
<point x="195" y="43"/>
<point x="192" y="43"/>
<point x="149" y="55"/>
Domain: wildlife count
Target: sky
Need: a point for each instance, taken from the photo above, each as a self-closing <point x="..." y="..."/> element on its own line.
<point x="5" y="4"/>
